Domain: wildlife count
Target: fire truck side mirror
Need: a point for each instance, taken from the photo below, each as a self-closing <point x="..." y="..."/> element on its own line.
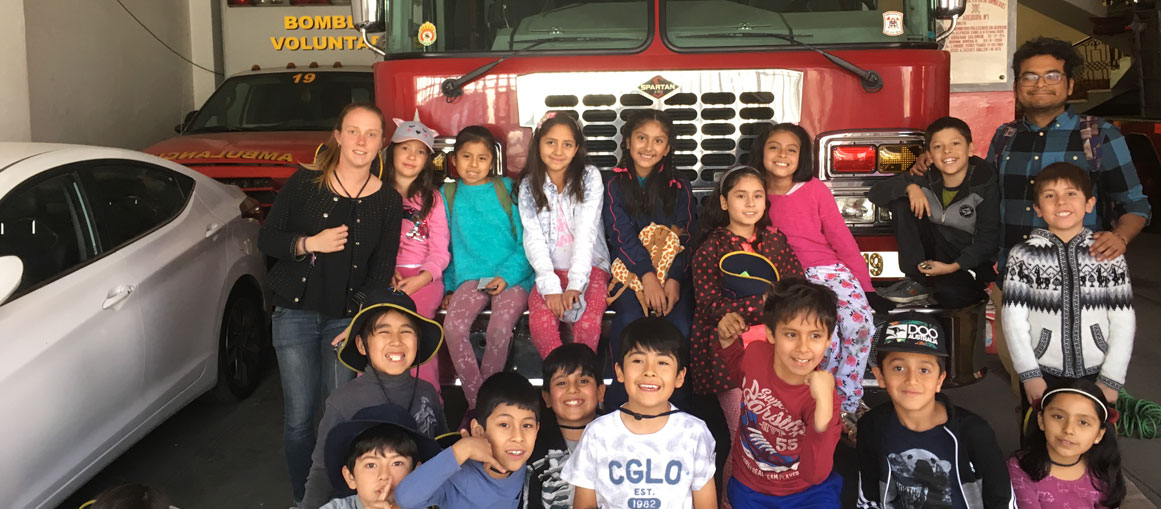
<point x="180" y="128"/>
<point x="944" y="9"/>
<point x="368" y="15"/>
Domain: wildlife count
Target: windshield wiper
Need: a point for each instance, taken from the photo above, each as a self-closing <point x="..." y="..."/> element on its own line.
<point x="870" y="80"/>
<point x="454" y="87"/>
<point x="212" y="129"/>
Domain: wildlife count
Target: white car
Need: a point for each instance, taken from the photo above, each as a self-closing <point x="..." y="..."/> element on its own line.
<point x="129" y="286"/>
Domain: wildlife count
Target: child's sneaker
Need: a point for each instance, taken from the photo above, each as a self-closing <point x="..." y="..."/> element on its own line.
<point x="906" y="291"/>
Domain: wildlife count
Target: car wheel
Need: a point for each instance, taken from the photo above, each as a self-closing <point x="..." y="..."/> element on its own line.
<point x="240" y="356"/>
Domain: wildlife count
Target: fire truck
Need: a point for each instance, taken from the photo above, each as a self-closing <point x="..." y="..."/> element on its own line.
<point x="259" y="126"/>
<point x="864" y="77"/>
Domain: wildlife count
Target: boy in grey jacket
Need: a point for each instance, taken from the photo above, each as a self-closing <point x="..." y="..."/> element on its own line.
<point x="947" y="222"/>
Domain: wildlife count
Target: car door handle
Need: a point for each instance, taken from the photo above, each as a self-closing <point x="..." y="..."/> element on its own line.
<point x="213" y="229"/>
<point x="117" y="294"/>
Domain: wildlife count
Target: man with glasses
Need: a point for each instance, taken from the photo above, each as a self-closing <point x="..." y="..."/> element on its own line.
<point x="1050" y="132"/>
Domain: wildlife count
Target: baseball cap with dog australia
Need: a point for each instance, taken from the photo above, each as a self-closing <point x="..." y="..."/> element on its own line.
<point x="912" y="332"/>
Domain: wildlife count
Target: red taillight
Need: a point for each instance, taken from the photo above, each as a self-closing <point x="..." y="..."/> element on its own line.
<point x="853" y="158"/>
<point x="251" y="209"/>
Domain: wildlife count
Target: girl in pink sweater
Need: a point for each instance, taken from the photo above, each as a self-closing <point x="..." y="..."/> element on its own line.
<point x="802" y="208"/>
<point x="423" y="240"/>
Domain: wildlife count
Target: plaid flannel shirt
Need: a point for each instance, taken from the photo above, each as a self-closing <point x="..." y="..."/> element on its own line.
<point x="1032" y="148"/>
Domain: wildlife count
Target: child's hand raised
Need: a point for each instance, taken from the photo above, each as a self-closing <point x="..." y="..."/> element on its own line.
<point x="821" y="384"/>
<point x="730" y="328"/>
<point x="476" y="448"/>
<point x="329" y="240"/>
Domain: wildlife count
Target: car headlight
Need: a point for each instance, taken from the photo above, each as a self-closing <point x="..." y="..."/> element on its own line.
<point x="856" y="209"/>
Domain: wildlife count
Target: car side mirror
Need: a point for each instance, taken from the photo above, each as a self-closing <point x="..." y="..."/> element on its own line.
<point x="11" y="271"/>
<point x="180" y="128"/>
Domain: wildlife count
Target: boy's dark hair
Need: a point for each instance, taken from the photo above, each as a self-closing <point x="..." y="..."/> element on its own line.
<point x="1061" y="50"/>
<point x="130" y="496"/>
<point x="373" y="317"/>
<point x="568" y="359"/>
<point x="947" y="123"/>
<point x="382" y="438"/>
<point x="641" y="200"/>
<point x="1067" y="172"/>
<point x="537" y="174"/>
<point x="805" y="170"/>
<point x="792" y="297"/>
<point x="477" y="134"/>
<point x="1103" y="459"/>
<point x="653" y="334"/>
<point x="506" y="388"/>
<point x="880" y="357"/>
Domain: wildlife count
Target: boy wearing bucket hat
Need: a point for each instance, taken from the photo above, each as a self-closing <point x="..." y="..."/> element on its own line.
<point x="913" y="450"/>
<point x="385" y="340"/>
<point x="367" y="456"/>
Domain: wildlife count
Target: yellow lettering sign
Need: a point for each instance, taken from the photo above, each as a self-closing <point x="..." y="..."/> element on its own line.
<point x="290" y="22"/>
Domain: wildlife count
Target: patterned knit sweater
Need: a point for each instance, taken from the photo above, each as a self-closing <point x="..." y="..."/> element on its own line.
<point x="1065" y="313"/>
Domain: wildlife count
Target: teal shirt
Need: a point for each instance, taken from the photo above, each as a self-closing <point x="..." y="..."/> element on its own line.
<point x="482" y="241"/>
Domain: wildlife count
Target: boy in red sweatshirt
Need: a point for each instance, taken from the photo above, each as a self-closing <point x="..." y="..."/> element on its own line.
<point x="784" y="452"/>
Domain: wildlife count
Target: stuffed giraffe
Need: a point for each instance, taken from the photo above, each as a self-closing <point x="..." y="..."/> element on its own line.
<point x="663" y="244"/>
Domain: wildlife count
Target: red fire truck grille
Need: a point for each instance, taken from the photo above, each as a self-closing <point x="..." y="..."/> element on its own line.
<point x="711" y="127"/>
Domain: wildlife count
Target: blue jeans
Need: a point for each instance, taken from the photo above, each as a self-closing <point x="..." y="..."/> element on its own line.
<point x="824" y="495"/>
<point x="308" y="366"/>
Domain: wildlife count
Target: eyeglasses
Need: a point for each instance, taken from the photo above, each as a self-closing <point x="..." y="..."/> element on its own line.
<point x="1030" y="79"/>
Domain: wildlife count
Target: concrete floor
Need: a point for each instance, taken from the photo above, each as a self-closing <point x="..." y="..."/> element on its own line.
<point x="230" y="455"/>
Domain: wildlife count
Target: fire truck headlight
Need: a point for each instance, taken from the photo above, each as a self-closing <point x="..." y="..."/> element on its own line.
<point x="856" y="209"/>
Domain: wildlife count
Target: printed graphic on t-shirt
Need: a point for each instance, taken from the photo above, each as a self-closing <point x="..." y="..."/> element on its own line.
<point x="425" y="417"/>
<point x="764" y="415"/>
<point x="555" y="493"/>
<point x="920" y="480"/>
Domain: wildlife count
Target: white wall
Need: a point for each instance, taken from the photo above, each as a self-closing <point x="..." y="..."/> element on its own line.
<point x="15" y="124"/>
<point x="96" y="77"/>
<point x="205" y="42"/>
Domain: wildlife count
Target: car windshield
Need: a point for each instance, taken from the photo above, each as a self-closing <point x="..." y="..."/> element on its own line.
<point x="483" y="26"/>
<point x="284" y="101"/>
<point x="695" y="24"/>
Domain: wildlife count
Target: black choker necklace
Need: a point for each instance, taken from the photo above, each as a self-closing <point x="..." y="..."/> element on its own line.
<point x="643" y="416"/>
<point x="1073" y="464"/>
<point x="565" y="426"/>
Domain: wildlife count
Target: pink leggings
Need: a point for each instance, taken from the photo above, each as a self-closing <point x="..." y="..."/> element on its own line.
<point x="427" y="301"/>
<point x="466" y="304"/>
<point x="545" y="327"/>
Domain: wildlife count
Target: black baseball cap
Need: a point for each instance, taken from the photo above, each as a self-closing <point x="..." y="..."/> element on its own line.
<point x="912" y="332"/>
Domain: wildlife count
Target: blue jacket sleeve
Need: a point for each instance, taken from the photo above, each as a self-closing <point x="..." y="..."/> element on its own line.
<point x="427" y="485"/>
<point x="622" y="231"/>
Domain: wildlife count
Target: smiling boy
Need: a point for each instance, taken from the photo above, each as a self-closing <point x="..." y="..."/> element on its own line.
<point x="947" y="222"/>
<point x="919" y="450"/>
<point x="1067" y="314"/>
<point x="384" y="341"/>
<point x="571" y="392"/>
<point x="485" y="470"/>
<point x="648" y="453"/>
<point x="784" y="453"/>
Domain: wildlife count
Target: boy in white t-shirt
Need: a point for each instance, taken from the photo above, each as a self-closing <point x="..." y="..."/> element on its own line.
<point x="647" y="454"/>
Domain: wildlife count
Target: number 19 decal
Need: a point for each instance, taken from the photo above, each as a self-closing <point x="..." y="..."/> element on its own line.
<point x="303" y="77"/>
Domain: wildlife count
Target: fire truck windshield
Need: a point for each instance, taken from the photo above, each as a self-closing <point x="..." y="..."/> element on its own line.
<point x="696" y="24"/>
<point x="489" y="26"/>
<point x="288" y="100"/>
